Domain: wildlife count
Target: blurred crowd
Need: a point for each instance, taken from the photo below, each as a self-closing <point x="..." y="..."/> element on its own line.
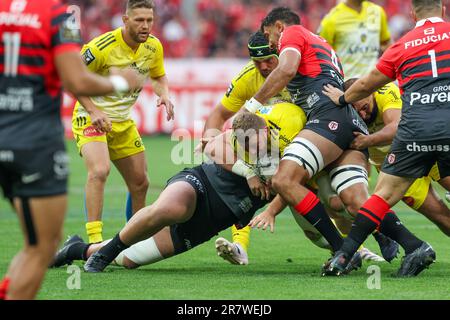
<point x="218" y="28"/>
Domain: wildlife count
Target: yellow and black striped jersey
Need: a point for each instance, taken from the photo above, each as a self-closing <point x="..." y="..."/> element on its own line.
<point x="110" y="50"/>
<point x="245" y="85"/>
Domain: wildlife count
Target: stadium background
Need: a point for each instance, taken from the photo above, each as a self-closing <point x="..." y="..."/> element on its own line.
<point x="205" y="46"/>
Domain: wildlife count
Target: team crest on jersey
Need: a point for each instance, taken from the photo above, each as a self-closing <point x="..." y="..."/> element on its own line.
<point x="333" y="125"/>
<point x="88" y="57"/>
<point x="391" y="158"/>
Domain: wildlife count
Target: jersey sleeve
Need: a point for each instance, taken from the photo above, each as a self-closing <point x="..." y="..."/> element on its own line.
<point x="385" y="35"/>
<point x="157" y="68"/>
<point x="291" y="40"/>
<point x="65" y="30"/>
<point x="388" y="62"/>
<point x="388" y="97"/>
<point x="235" y="96"/>
<point x="92" y="57"/>
<point x="327" y="29"/>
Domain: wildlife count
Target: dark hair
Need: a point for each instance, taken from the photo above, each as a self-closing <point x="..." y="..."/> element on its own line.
<point x="136" y="4"/>
<point x="425" y="5"/>
<point x="258" y="46"/>
<point x="283" y="14"/>
<point x="349" y="83"/>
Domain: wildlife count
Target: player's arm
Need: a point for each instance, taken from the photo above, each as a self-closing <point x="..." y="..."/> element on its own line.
<point x="289" y="60"/>
<point x="161" y="88"/>
<point x="267" y="217"/>
<point x="215" y="123"/>
<point x="383" y="137"/>
<point x="361" y="89"/>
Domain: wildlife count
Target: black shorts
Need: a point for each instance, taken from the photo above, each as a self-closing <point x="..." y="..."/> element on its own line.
<point x="38" y="172"/>
<point x="415" y="159"/>
<point x="210" y="217"/>
<point x="337" y="124"/>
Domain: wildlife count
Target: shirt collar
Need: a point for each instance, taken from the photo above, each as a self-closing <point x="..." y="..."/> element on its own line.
<point x="432" y="20"/>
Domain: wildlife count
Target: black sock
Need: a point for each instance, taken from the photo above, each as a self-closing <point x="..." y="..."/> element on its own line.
<point x="113" y="248"/>
<point x="319" y="218"/>
<point x="362" y="227"/>
<point x="380" y="238"/>
<point x="392" y="227"/>
<point x="78" y="251"/>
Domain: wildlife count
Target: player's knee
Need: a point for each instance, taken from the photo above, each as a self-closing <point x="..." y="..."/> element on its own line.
<point x="281" y="182"/>
<point x="128" y="264"/>
<point x="99" y="173"/>
<point x="140" y="185"/>
<point x="335" y="203"/>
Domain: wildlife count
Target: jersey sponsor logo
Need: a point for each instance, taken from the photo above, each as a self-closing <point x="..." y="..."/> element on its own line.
<point x="391" y="158"/>
<point x="197" y="182"/>
<point x="428" y="39"/>
<point x="6" y="156"/>
<point x="312" y="100"/>
<point x="16" y="17"/>
<point x="91" y="131"/>
<point x="415" y="147"/>
<point x="149" y="47"/>
<point x="17" y="100"/>
<point x="362" y="126"/>
<point x="426" y="98"/>
<point x="246" y="205"/>
<point x="88" y="57"/>
<point x="333" y="125"/>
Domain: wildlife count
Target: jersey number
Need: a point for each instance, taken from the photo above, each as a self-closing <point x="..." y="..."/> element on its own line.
<point x="12" y="46"/>
<point x="432" y="54"/>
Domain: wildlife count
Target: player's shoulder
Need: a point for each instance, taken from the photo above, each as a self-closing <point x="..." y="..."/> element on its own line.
<point x="248" y="72"/>
<point x="335" y="12"/>
<point x="105" y="40"/>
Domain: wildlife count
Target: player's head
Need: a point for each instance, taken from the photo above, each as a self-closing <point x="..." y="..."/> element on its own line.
<point x="422" y="9"/>
<point x="274" y="23"/>
<point x="138" y="19"/>
<point x="250" y="131"/>
<point x="265" y="58"/>
<point x="364" y="107"/>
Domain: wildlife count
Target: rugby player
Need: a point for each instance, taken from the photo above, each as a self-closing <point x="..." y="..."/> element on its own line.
<point x="103" y="127"/>
<point x="358" y="32"/>
<point x="381" y="111"/>
<point x="306" y="63"/>
<point x="40" y="53"/>
<point x="242" y="88"/>
<point x="418" y="61"/>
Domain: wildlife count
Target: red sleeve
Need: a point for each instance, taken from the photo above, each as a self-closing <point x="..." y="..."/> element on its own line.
<point x="388" y="62"/>
<point x="65" y="30"/>
<point x="291" y="38"/>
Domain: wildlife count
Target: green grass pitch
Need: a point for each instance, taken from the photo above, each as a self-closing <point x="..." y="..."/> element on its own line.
<point x="283" y="265"/>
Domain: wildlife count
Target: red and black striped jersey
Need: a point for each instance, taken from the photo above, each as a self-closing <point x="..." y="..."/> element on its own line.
<point x="32" y="34"/>
<point x="420" y="61"/>
<point x="319" y="65"/>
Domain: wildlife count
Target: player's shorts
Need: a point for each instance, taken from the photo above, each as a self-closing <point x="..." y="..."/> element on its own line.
<point x="123" y="140"/>
<point x="337" y="125"/>
<point x="416" y="194"/>
<point x="211" y="214"/>
<point x="37" y="172"/>
<point x="416" y="159"/>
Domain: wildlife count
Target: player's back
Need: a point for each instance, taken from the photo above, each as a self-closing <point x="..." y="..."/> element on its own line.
<point x="420" y="62"/>
<point x="30" y="89"/>
<point x="319" y="65"/>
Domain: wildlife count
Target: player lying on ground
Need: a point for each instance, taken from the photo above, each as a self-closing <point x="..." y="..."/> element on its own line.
<point x="381" y="111"/>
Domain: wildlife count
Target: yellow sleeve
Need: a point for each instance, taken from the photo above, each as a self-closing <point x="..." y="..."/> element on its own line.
<point x="327" y="29"/>
<point x="157" y="68"/>
<point x="385" y="35"/>
<point x="92" y="57"/>
<point x="388" y="97"/>
<point x="236" y="94"/>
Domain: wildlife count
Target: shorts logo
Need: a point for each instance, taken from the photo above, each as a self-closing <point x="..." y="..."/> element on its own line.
<point x="391" y="158"/>
<point x="92" y="132"/>
<point x="138" y="143"/>
<point x="333" y="125"/>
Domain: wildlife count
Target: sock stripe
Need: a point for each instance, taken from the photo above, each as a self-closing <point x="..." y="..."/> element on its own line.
<point x="373" y="215"/>
<point x="370" y="217"/>
<point x="307" y="204"/>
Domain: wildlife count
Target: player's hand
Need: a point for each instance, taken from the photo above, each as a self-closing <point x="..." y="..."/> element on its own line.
<point x="361" y="141"/>
<point x="100" y="120"/>
<point x="258" y="188"/>
<point x="165" y="101"/>
<point x="263" y="220"/>
<point x="202" y="144"/>
<point x="333" y="93"/>
<point x="135" y="81"/>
